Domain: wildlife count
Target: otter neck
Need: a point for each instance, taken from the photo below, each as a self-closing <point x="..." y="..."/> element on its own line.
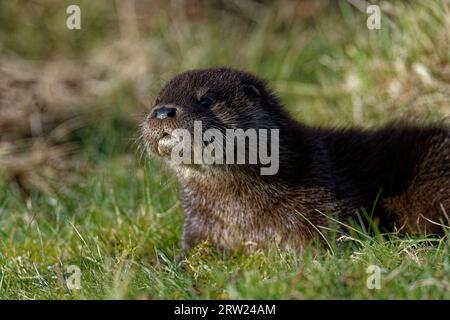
<point x="298" y="147"/>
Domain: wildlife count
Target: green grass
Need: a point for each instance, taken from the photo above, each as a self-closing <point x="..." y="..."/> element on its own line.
<point x="119" y="218"/>
<point x="122" y="230"/>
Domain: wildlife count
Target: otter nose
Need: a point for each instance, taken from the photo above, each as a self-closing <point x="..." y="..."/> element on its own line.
<point x="163" y="112"/>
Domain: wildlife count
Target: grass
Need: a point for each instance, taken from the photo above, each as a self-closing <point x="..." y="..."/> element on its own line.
<point x="123" y="233"/>
<point x="118" y="216"/>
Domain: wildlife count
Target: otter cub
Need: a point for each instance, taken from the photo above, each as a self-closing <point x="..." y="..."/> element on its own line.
<point x="401" y="172"/>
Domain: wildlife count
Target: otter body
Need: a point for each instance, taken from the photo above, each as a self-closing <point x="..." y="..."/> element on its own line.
<point x="399" y="174"/>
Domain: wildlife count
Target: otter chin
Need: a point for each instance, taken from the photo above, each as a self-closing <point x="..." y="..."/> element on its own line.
<point x="165" y="144"/>
<point x="324" y="177"/>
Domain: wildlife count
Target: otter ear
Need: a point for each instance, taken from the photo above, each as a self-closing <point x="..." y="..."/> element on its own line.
<point x="251" y="90"/>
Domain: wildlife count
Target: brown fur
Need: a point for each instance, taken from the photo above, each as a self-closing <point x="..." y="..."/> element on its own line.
<point x="324" y="174"/>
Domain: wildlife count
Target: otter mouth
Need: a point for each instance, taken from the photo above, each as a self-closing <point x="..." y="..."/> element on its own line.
<point x="166" y="143"/>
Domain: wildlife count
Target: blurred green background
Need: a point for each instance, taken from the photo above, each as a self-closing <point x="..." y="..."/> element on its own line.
<point x="75" y="187"/>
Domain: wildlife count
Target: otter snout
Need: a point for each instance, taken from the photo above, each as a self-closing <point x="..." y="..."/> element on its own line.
<point x="157" y="129"/>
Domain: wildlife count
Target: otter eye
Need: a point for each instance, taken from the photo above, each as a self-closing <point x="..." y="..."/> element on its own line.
<point x="205" y="102"/>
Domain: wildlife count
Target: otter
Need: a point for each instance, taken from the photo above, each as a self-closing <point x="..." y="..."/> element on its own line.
<point x="399" y="174"/>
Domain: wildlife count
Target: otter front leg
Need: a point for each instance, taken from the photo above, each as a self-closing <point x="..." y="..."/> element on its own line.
<point x="187" y="243"/>
<point x="189" y="238"/>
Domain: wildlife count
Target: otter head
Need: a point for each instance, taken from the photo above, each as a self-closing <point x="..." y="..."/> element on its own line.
<point x="218" y="98"/>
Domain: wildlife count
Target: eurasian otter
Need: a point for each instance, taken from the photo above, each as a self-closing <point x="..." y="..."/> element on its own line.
<point x="400" y="171"/>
